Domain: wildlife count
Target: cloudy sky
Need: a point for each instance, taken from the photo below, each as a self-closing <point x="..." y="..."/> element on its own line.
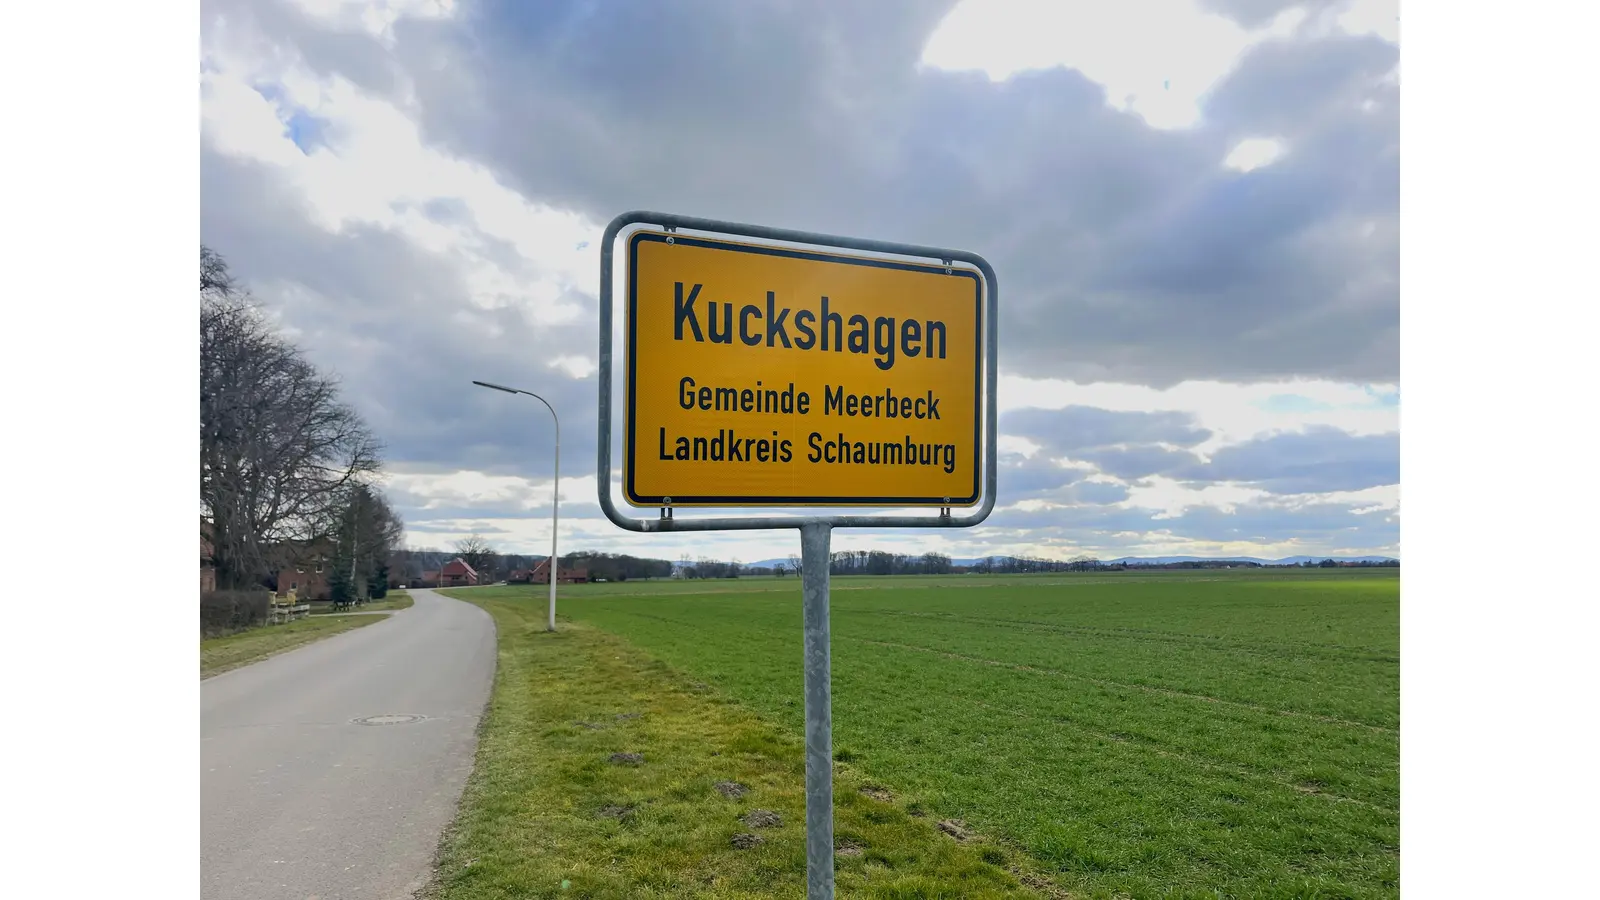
<point x="1192" y="206"/>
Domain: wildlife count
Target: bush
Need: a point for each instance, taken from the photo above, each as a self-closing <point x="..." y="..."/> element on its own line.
<point x="225" y="612"/>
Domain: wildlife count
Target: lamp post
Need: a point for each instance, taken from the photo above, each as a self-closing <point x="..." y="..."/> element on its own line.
<point x="555" y="494"/>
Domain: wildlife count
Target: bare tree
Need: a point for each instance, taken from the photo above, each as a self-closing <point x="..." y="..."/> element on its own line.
<point x="279" y="451"/>
<point x="475" y="551"/>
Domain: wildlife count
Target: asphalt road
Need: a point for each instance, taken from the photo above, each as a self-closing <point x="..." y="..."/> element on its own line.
<point x="300" y="800"/>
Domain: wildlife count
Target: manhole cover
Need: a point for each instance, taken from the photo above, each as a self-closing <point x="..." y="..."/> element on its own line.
<point x="388" y="720"/>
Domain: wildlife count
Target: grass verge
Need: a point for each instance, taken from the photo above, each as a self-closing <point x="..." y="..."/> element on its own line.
<point x="397" y="600"/>
<point x="548" y="813"/>
<point x="218" y="655"/>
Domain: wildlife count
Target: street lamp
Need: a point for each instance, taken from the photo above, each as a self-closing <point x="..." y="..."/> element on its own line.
<point x="555" y="495"/>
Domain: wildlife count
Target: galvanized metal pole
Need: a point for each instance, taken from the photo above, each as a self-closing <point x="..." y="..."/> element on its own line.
<point x="555" y="519"/>
<point x="555" y="508"/>
<point x="814" y="559"/>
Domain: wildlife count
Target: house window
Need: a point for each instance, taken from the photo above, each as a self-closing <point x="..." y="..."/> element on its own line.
<point x="319" y="563"/>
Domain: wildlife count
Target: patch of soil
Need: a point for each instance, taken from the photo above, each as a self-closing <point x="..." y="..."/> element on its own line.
<point x="878" y="793"/>
<point x="762" y="818"/>
<point x="733" y="790"/>
<point x="745" y="841"/>
<point x="628" y="759"/>
<point x="624" y="717"/>
<point x="846" y="848"/>
<point x="955" y="828"/>
<point x="1041" y="884"/>
<point x="616" y="812"/>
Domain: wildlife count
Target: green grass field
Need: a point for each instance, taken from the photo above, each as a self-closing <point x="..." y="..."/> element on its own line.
<point x="1173" y="734"/>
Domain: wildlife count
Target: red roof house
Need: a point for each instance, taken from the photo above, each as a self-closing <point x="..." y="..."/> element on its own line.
<point x="564" y="575"/>
<point x="456" y="573"/>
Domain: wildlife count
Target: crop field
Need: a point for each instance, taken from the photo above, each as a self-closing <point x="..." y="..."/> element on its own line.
<point x="1171" y="734"/>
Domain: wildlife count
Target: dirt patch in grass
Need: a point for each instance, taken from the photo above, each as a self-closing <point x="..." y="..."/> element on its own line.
<point x="762" y="818"/>
<point x="955" y="828"/>
<point x="545" y="805"/>
<point x="847" y="848"/>
<point x="880" y="794"/>
<point x="218" y="655"/>
<point x="628" y="759"/>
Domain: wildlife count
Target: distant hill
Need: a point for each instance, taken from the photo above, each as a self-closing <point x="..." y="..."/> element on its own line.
<point x="1148" y="560"/>
<point x="1286" y="561"/>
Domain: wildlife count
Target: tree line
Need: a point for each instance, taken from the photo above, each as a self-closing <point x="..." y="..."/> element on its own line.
<point x="879" y="562"/>
<point x="493" y="566"/>
<point x="285" y="464"/>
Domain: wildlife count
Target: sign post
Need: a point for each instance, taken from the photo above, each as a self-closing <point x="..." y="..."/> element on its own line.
<point x="783" y="369"/>
<point x="814" y="559"/>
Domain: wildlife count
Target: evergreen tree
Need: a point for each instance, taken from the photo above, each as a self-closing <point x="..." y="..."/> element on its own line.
<point x="340" y="586"/>
<point x="378" y="585"/>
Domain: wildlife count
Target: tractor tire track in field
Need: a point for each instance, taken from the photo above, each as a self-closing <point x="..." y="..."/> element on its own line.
<point x="1202" y="762"/>
<point x="1106" y="682"/>
<point x="1089" y="679"/>
<point x="1144" y="744"/>
<point x="1263" y="648"/>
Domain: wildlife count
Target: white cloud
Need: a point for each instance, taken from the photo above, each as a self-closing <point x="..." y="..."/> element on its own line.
<point x="370" y="166"/>
<point x="1171" y="498"/>
<point x="1009" y="444"/>
<point x="1155" y="58"/>
<point x="1233" y="412"/>
<point x="375" y="17"/>
<point x="1379" y="17"/>
<point x="574" y="366"/>
<point x="464" y="487"/>
<point x="1253" y="153"/>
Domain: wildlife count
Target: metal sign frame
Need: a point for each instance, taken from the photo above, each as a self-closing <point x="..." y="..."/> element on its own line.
<point x="968" y="497"/>
<point x="667" y="521"/>
<point x="815" y="531"/>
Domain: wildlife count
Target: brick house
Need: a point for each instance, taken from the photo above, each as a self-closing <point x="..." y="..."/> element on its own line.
<point x="456" y="573"/>
<point x="307" y="576"/>
<point x="540" y="574"/>
<point x="519" y="576"/>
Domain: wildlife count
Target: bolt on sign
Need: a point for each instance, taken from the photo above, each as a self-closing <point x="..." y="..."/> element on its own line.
<point x="764" y="375"/>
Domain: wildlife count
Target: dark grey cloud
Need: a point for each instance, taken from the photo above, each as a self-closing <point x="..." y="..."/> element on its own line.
<point x="1318" y="460"/>
<point x="1023" y="478"/>
<point x="1076" y="428"/>
<point x="1125" y="253"/>
<point x="396" y="324"/>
